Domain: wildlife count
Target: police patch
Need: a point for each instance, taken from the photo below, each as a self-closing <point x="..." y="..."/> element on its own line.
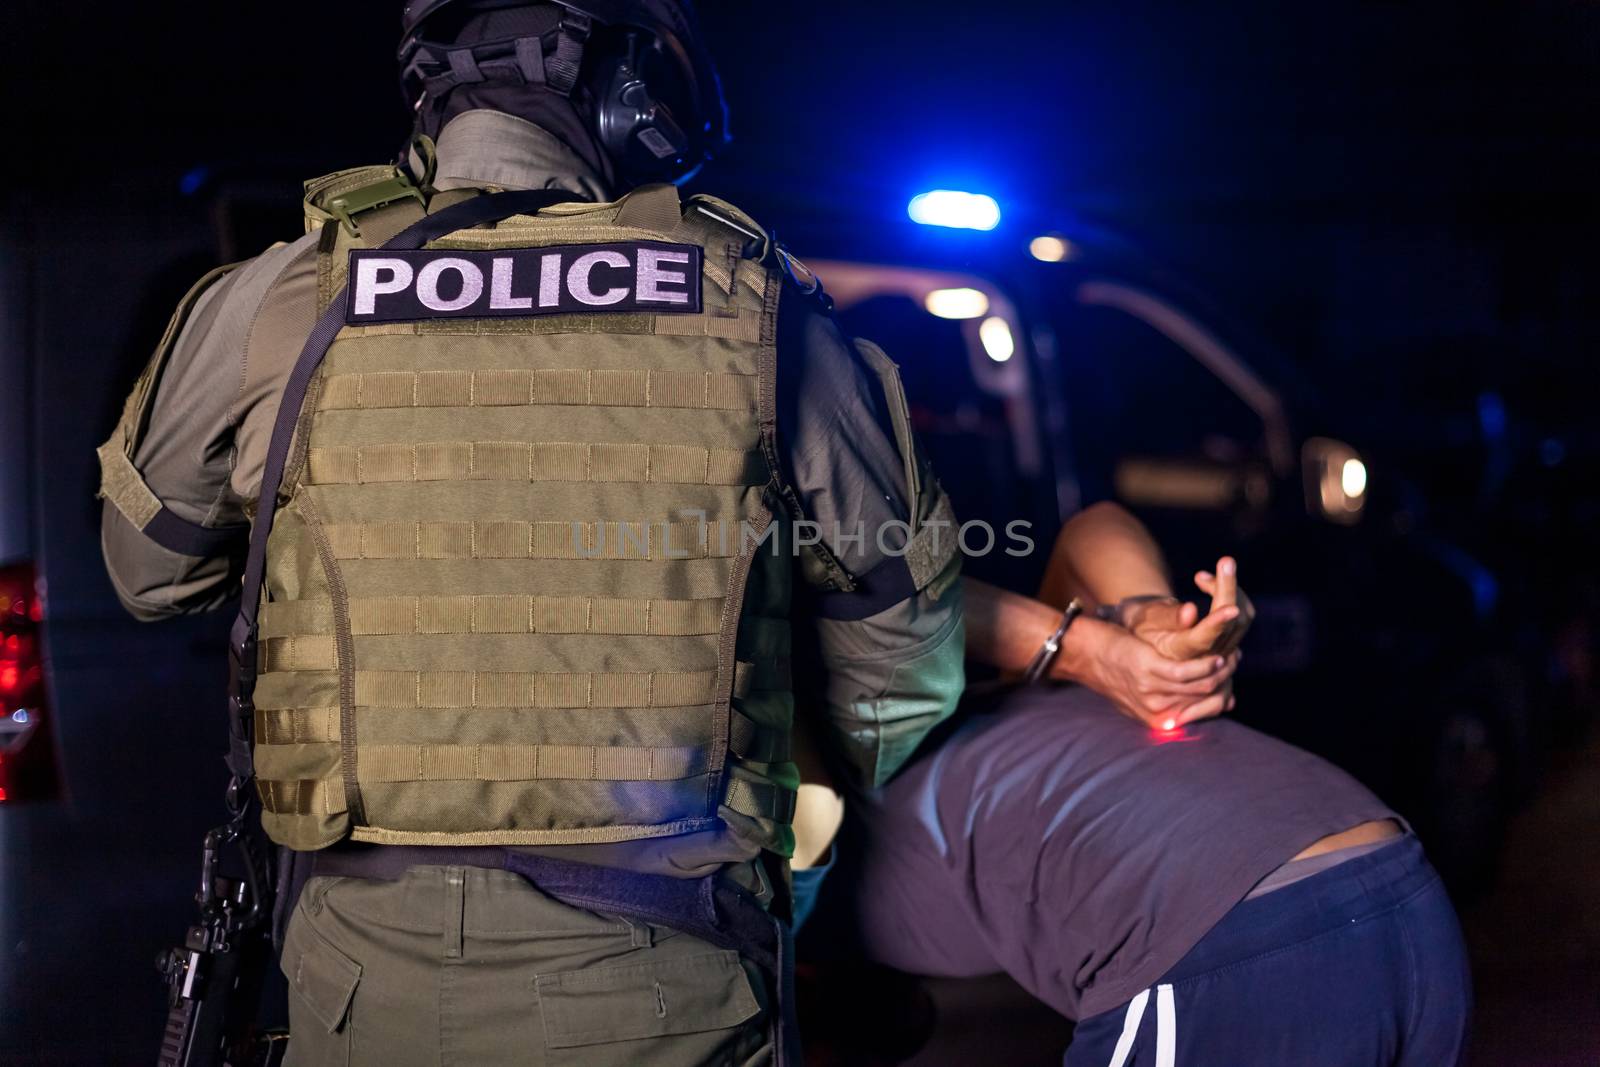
<point x="637" y="276"/>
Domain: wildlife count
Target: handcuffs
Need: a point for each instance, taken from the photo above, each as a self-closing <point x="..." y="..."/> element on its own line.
<point x="1117" y="614"/>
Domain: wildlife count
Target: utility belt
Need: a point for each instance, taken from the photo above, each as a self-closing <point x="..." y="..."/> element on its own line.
<point x="713" y="908"/>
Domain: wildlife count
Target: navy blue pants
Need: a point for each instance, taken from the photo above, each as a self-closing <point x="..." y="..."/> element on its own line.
<point x="1359" y="966"/>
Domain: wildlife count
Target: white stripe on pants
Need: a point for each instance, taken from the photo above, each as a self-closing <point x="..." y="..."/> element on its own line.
<point x="1166" y="1028"/>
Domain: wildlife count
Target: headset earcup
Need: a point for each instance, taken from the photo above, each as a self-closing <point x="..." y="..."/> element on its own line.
<point x="661" y="137"/>
<point x="637" y="131"/>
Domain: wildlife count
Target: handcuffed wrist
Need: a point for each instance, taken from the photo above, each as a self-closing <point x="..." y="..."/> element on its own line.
<point x="1082" y="647"/>
<point x="1117" y="614"/>
<point x="1045" y="658"/>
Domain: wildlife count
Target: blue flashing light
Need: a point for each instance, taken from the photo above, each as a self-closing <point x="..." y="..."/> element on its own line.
<point x="193" y="179"/>
<point x="1492" y="415"/>
<point x="955" y="209"/>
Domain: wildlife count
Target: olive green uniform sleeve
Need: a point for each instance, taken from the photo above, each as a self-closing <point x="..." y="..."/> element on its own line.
<point x="185" y="457"/>
<point x="885" y="615"/>
<point x="891" y="678"/>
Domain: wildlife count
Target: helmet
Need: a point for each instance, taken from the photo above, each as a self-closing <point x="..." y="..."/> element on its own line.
<point x="656" y="103"/>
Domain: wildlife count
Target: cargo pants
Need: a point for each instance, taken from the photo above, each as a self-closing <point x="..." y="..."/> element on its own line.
<point x="453" y="966"/>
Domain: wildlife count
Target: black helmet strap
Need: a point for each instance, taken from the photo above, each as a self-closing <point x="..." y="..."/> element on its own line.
<point x="561" y="69"/>
<point x="438" y="68"/>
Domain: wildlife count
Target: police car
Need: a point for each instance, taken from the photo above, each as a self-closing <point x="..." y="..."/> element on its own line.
<point x="1049" y="374"/>
<point x="1044" y="376"/>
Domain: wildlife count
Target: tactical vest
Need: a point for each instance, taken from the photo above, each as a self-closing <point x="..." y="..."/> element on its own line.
<point x="528" y="579"/>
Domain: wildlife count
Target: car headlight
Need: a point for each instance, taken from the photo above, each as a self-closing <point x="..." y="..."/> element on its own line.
<point x="1336" y="480"/>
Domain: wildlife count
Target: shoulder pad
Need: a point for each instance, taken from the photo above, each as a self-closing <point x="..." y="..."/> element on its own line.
<point x="757" y="243"/>
<point x="345" y="194"/>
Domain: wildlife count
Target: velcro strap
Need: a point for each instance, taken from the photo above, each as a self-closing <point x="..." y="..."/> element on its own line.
<point x="760" y="744"/>
<point x="526" y="763"/>
<point x="123" y="485"/>
<point x="934" y="545"/>
<point x="760" y="800"/>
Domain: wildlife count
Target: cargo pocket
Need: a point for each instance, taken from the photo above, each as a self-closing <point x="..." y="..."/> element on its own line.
<point x="934" y="541"/>
<point x="322" y="983"/>
<point x="690" y="1010"/>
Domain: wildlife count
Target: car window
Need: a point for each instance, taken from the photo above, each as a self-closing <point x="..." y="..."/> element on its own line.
<point x="1131" y="391"/>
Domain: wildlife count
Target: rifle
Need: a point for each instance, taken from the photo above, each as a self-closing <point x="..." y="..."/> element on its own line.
<point x="214" y="978"/>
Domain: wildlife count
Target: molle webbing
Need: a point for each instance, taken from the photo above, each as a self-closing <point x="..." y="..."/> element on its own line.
<point x="527" y="763"/>
<point x="323" y="334"/>
<point x="504" y="599"/>
<point x="513" y="539"/>
<point x="719" y="322"/>
<point x="504" y="388"/>
<point x="497" y="613"/>
<point x="310" y="726"/>
<point x="307" y="658"/>
<point x="534" y="461"/>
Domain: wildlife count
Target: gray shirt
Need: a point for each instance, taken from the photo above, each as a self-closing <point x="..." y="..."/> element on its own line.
<point x="1055" y="837"/>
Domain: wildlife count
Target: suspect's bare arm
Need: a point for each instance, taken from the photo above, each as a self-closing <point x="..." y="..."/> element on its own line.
<point x="1103" y="555"/>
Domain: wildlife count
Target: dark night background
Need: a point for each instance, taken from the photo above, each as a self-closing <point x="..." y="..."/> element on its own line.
<point x="1393" y="200"/>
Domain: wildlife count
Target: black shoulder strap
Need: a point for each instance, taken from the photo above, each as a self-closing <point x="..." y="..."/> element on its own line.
<point x="242" y="638"/>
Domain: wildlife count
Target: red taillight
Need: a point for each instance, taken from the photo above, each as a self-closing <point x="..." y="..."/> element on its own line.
<point x="27" y="750"/>
<point x="21" y="665"/>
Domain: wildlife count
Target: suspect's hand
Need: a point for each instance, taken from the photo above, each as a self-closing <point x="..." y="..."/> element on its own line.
<point x="1144" y="684"/>
<point x="1176" y="630"/>
<point x="1227" y="597"/>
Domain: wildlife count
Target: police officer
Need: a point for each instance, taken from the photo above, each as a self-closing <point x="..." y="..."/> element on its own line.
<point x="528" y="486"/>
